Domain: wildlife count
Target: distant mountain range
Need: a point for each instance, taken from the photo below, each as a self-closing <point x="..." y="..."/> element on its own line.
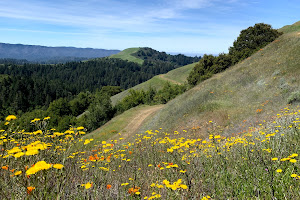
<point x="44" y="54"/>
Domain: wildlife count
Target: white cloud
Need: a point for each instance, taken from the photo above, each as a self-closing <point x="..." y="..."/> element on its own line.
<point x="110" y="20"/>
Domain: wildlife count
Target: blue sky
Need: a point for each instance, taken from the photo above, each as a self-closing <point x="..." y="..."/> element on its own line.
<point x="183" y="26"/>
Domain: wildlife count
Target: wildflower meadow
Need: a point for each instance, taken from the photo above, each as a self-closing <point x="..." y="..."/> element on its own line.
<point x="261" y="162"/>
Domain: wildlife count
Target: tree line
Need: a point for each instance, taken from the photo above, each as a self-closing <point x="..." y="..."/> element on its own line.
<point x="64" y="91"/>
<point x="149" y="54"/>
<point x="248" y="42"/>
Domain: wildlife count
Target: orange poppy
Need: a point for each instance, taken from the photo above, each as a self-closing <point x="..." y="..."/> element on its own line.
<point x="30" y="189"/>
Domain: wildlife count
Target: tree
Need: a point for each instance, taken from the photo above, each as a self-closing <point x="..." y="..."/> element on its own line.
<point x="111" y="90"/>
<point x="100" y="111"/>
<point x="60" y="107"/>
<point x="202" y="70"/>
<point x="79" y="104"/>
<point x="251" y="40"/>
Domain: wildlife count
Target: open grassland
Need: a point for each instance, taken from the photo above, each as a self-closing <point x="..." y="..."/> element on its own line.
<point x="126" y="55"/>
<point x="259" y="163"/>
<point x="291" y="28"/>
<point x="124" y="124"/>
<point x="250" y="90"/>
<point x="175" y="76"/>
<point x="180" y="74"/>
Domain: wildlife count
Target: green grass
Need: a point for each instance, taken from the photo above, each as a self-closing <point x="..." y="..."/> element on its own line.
<point x="117" y="124"/>
<point x="290" y="28"/>
<point x="180" y="74"/>
<point x="177" y="75"/>
<point x="264" y="81"/>
<point x="233" y="138"/>
<point x="126" y="55"/>
<point x="261" y="163"/>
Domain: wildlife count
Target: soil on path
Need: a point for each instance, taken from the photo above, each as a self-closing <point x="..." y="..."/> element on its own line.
<point x="135" y="123"/>
<point x="162" y="76"/>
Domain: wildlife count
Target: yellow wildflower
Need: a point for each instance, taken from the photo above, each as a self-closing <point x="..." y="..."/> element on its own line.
<point x="17" y="155"/>
<point x="31" y="152"/>
<point x="184" y="187"/>
<point x="18" y="173"/>
<point x="80" y="128"/>
<point x="58" y="166"/>
<point x="10" y="117"/>
<point x="41" y="165"/>
<point x="87" y="185"/>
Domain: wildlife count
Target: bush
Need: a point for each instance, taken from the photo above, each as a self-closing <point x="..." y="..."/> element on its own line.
<point x="294" y="97"/>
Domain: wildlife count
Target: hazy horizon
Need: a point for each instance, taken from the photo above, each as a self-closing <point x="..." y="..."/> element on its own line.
<point x="185" y="26"/>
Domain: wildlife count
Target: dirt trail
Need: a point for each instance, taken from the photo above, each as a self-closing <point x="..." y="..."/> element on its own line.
<point x="137" y="121"/>
<point x="162" y="76"/>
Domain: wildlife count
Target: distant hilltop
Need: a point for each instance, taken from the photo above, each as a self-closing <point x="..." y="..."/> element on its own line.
<point x="36" y="53"/>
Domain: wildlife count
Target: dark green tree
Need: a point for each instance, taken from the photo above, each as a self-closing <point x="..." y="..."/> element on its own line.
<point x="111" y="90"/>
<point x="80" y="103"/>
<point x="60" y="107"/>
<point x="202" y="70"/>
<point x="249" y="41"/>
<point x="99" y="112"/>
<point x="252" y="39"/>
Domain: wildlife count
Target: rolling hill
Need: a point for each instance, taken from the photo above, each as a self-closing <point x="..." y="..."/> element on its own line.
<point x="249" y="91"/>
<point x="175" y="76"/>
<point x="126" y="55"/>
<point x="232" y="136"/>
<point x="36" y="53"/>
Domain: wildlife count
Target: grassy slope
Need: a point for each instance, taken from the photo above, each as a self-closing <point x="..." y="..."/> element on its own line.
<point x="178" y="75"/>
<point x="119" y="123"/>
<point x="126" y="55"/>
<point x="263" y="81"/>
<point x="290" y="28"/>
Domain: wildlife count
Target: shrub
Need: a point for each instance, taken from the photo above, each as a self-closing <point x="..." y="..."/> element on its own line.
<point x="294" y="97"/>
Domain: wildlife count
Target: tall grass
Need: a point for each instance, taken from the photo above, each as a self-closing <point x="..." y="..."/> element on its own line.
<point x="264" y="81"/>
<point x="260" y="163"/>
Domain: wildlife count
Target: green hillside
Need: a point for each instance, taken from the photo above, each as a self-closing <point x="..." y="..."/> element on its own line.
<point x="290" y="28"/>
<point x="180" y="74"/>
<point x="250" y="90"/>
<point x="232" y="136"/>
<point x="176" y="76"/>
<point x="122" y="124"/>
<point x="126" y="55"/>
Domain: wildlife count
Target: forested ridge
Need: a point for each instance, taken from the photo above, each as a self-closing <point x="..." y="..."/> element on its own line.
<point x="51" y="55"/>
<point x="69" y="89"/>
<point x="149" y="54"/>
